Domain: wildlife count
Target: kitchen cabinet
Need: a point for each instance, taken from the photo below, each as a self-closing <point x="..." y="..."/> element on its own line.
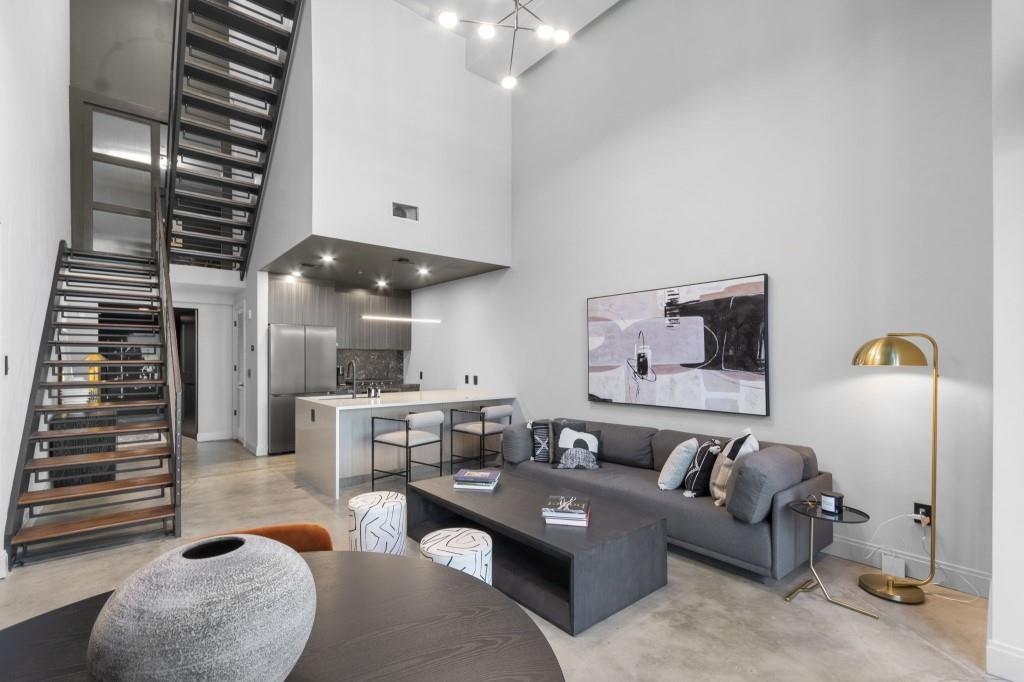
<point x="316" y="302"/>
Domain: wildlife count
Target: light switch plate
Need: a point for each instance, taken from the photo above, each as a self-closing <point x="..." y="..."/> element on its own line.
<point x="894" y="566"/>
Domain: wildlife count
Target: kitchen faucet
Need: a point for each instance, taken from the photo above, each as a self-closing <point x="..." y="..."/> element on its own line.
<point x="350" y="370"/>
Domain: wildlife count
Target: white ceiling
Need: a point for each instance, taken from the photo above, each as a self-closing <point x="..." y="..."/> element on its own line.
<point x="489" y="58"/>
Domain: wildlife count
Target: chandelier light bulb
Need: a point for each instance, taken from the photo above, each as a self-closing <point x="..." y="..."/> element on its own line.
<point x="561" y="36"/>
<point x="448" y="19"/>
<point x="486" y="31"/>
<point x="545" y="32"/>
<point x="509" y="82"/>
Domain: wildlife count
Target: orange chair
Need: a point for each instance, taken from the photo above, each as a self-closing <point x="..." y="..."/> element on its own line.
<point x="302" y="537"/>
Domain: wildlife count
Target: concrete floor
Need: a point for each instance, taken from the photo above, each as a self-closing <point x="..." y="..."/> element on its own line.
<point x="706" y="624"/>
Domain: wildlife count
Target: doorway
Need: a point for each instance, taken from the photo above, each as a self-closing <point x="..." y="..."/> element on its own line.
<point x="186" y="322"/>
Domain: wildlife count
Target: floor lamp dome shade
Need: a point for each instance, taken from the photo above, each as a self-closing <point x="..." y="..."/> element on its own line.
<point x="890" y="351"/>
<point x="896" y="350"/>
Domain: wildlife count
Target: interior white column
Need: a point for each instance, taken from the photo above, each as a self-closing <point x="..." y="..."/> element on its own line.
<point x="1006" y="602"/>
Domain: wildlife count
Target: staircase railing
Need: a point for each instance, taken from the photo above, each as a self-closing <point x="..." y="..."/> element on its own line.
<point x="170" y="338"/>
<point x="36" y="395"/>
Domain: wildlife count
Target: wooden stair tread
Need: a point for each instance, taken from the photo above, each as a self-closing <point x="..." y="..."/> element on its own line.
<point x="76" y="277"/>
<point x="52" y="531"/>
<point x="112" y="344"/>
<point x="87" y="490"/>
<point x="113" y="312"/>
<point x="107" y="457"/>
<point x="117" y="268"/>
<point x="101" y="293"/>
<point x="102" y="363"/>
<point x="99" y="406"/>
<point x="89" y="431"/>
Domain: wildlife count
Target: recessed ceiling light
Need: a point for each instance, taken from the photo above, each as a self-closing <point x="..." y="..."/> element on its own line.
<point x="296" y="273"/>
<point x="486" y="31"/>
<point x="545" y="32"/>
<point x="448" y="19"/>
<point x="327" y="259"/>
<point x="423" y="271"/>
<point x="561" y="36"/>
<point x="509" y="82"/>
<point x="381" y="283"/>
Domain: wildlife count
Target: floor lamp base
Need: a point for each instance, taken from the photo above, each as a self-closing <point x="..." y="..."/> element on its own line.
<point x="888" y="587"/>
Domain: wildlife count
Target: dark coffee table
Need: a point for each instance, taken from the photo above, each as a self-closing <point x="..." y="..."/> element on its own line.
<point x="573" y="577"/>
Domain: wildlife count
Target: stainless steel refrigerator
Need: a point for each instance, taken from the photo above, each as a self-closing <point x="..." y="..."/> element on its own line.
<point x="303" y="361"/>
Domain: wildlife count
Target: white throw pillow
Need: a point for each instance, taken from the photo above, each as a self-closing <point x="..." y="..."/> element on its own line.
<point x="678" y="462"/>
<point x="740" y="446"/>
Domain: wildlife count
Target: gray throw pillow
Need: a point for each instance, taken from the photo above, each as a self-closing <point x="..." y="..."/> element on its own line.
<point x="578" y="458"/>
<point x="516" y="444"/>
<point x="677" y="464"/>
<point x="758" y="478"/>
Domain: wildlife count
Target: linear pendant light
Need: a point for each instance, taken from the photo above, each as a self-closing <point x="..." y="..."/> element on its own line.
<point x="388" y="318"/>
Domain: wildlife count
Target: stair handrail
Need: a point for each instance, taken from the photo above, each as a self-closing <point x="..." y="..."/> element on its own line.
<point x="172" y="367"/>
<point x="15" y="516"/>
<point x="177" y="77"/>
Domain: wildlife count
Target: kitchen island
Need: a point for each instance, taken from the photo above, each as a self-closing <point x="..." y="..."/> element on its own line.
<point x="332" y="433"/>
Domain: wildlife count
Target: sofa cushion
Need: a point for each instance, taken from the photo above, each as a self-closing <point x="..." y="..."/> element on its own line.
<point x="695" y="522"/>
<point x="810" y="460"/>
<point x="557" y="426"/>
<point x="629" y="445"/>
<point x="758" y="477"/>
<point x="742" y="446"/>
<point x="666" y="440"/>
<point x="516" y="443"/>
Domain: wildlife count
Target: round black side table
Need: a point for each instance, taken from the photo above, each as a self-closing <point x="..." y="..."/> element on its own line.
<point x="813" y="511"/>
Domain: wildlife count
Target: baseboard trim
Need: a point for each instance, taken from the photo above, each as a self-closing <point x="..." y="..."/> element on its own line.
<point x="1004" y="660"/>
<point x="917" y="565"/>
<point x="214" y="435"/>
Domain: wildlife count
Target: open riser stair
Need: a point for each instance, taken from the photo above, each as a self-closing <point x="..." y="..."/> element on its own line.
<point x="100" y="455"/>
<point x="232" y="64"/>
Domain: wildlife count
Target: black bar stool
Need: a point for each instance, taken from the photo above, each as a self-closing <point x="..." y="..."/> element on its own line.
<point x="408" y="438"/>
<point x="486" y="422"/>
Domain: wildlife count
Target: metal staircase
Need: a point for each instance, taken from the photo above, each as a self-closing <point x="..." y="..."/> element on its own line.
<point x="101" y="450"/>
<point x="232" y="62"/>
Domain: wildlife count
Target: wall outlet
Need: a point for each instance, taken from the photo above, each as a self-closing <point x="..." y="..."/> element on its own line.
<point x="476" y="380"/>
<point x="467" y="379"/>
<point x="421" y="376"/>
<point x="894" y="566"/>
<point x="922" y="510"/>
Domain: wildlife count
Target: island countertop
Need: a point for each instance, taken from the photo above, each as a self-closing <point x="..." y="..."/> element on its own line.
<point x="409" y="398"/>
<point x="334" y="445"/>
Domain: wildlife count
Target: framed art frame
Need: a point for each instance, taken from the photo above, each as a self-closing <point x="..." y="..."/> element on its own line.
<point x="696" y="346"/>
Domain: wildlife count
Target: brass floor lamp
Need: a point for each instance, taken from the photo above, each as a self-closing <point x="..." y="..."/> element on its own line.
<point x="894" y="350"/>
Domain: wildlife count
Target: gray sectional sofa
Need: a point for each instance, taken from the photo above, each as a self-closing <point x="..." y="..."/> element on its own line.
<point x="631" y="459"/>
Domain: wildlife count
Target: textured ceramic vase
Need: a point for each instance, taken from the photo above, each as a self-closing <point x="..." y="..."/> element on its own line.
<point x="235" y="607"/>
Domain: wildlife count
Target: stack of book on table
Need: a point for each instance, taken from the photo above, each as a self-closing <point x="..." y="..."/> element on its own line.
<point x="565" y="510"/>
<point x="483" y="479"/>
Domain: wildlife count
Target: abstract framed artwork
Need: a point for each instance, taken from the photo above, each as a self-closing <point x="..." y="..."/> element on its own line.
<point x="697" y="346"/>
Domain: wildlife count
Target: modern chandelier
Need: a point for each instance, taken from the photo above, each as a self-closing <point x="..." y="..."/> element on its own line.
<point x="486" y="30"/>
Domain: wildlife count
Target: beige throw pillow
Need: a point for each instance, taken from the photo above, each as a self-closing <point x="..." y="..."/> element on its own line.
<point x="741" y="446"/>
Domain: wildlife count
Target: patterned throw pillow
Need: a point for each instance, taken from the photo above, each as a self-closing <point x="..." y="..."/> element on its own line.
<point x="541" y="430"/>
<point x="578" y="458"/>
<point x="741" y="446"/>
<point x="697" y="480"/>
<point x="570" y="438"/>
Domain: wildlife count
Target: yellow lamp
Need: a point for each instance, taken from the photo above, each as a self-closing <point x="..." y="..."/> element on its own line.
<point x="894" y="350"/>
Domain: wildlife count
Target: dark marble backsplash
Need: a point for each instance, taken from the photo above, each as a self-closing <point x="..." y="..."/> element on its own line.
<point x="374" y="365"/>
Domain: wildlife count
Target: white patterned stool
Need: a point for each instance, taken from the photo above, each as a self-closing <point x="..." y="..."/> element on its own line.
<point x="463" y="549"/>
<point x="378" y="523"/>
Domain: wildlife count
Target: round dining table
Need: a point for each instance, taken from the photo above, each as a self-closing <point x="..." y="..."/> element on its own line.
<point x="378" y="617"/>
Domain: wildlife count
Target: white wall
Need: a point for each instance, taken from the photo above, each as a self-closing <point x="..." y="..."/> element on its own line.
<point x="286" y="216"/>
<point x="841" y="146"/>
<point x="397" y="117"/>
<point x="216" y="378"/>
<point x="35" y="208"/>
<point x="255" y="361"/>
<point x="1006" y="603"/>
